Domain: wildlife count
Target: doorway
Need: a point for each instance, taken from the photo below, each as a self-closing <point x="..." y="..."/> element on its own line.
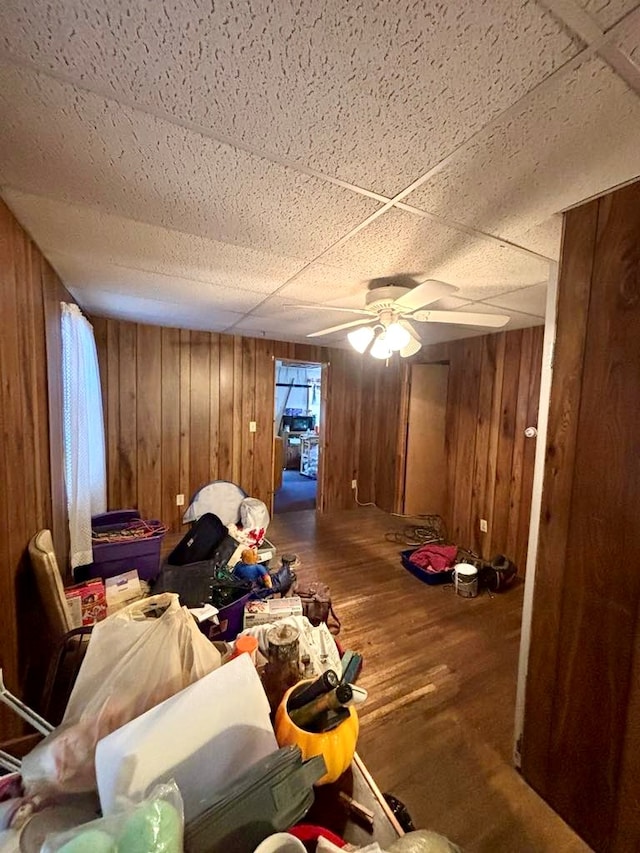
<point x="297" y="423"/>
<point x="425" y="463"/>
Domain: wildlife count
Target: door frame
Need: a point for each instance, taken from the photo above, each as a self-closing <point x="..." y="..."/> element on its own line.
<point x="322" y="432"/>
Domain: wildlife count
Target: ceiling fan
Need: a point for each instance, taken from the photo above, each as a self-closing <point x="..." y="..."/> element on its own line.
<point x="386" y="326"/>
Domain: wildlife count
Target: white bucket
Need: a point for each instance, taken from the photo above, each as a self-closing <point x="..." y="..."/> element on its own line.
<point x="465" y="578"/>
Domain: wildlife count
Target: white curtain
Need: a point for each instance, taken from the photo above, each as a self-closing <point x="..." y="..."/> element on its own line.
<point x="84" y="453"/>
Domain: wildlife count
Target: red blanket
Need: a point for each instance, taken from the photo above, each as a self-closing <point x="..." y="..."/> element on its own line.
<point x="435" y="558"/>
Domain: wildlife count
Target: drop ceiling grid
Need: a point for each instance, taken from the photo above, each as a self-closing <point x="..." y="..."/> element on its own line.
<point x="570" y="143"/>
<point x="470" y="256"/>
<point x="607" y="12"/>
<point x="82" y="148"/>
<point x="348" y="94"/>
<point x="398" y="242"/>
<point x="536" y="248"/>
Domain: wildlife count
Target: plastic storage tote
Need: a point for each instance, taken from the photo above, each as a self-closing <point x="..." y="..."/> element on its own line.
<point x="125" y="553"/>
<point x="432" y="578"/>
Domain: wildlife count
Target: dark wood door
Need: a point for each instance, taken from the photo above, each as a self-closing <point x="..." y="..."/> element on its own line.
<point x="581" y="742"/>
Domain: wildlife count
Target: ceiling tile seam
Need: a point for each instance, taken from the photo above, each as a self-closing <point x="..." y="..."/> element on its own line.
<point x="579" y="21"/>
<point x="576" y="19"/>
<point x="99" y="209"/>
<point x="502" y="308"/>
<point x="470" y="230"/>
<point x="201" y="281"/>
<point x="550" y="80"/>
<point x="7" y="58"/>
<point x="601" y="193"/>
<point x="82" y="291"/>
<point x="334" y="245"/>
<point x="623" y="66"/>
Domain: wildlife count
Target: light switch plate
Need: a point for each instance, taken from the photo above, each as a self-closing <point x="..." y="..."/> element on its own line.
<point x="252" y="426"/>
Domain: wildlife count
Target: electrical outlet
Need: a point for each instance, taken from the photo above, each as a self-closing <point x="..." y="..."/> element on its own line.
<point x="252" y="426"/>
<point x="354" y="484"/>
<point x="179" y="500"/>
<point x="483" y="525"/>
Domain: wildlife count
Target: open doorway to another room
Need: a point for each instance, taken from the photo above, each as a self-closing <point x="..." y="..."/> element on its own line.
<point x="297" y="440"/>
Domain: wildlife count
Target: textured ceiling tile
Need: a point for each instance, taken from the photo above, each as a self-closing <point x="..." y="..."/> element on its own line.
<point x="573" y="140"/>
<point x="107" y="239"/>
<point x="85" y="274"/>
<point x="544" y="238"/>
<point x="607" y="12"/>
<point x="158" y="313"/>
<point x="399" y="242"/>
<point x="530" y="300"/>
<point x="61" y="142"/>
<point x="320" y="283"/>
<point x="373" y="92"/>
<point x="302" y="317"/>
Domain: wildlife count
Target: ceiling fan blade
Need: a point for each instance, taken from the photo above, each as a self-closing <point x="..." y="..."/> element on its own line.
<point x="460" y="318"/>
<point x="332" y="308"/>
<point x="424" y="294"/>
<point x="339" y="328"/>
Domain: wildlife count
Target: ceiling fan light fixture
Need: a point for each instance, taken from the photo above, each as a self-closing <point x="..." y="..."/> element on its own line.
<point x="361" y="338"/>
<point x="380" y="348"/>
<point x="396" y="337"/>
<point x="411" y="348"/>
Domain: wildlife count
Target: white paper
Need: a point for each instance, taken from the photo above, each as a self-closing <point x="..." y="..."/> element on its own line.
<point x="207" y="611"/>
<point x="204" y="737"/>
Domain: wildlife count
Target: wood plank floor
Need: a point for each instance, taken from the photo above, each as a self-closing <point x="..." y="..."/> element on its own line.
<point x="437" y="730"/>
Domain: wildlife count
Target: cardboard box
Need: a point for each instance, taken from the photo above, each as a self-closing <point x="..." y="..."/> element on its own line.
<point x="270" y="610"/>
<point x="87" y="603"/>
<point x="122" y="589"/>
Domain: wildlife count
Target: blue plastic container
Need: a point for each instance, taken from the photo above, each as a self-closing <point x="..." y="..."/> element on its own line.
<point x="432" y="578"/>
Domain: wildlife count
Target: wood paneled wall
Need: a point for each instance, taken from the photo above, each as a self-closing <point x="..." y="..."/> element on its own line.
<point x="494" y="389"/>
<point x="32" y="495"/>
<point x="581" y="741"/>
<point x="178" y="405"/>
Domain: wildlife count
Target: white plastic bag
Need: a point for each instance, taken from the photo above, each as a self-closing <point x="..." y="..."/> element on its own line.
<point x="154" y="825"/>
<point x="254" y="515"/>
<point x="138" y="657"/>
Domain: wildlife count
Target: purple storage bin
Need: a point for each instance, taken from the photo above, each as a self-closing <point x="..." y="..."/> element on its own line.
<point x="114" y="558"/>
<point x="231" y="618"/>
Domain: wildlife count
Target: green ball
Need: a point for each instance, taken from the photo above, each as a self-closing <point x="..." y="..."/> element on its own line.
<point x="154" y="827"/>
<point x="90" y="841"/>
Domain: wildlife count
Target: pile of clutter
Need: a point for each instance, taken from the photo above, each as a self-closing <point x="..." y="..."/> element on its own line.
<point x="204" y="711"/>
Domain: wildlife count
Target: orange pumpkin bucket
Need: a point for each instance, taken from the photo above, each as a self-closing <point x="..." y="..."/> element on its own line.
<point x="337" y="746"/>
